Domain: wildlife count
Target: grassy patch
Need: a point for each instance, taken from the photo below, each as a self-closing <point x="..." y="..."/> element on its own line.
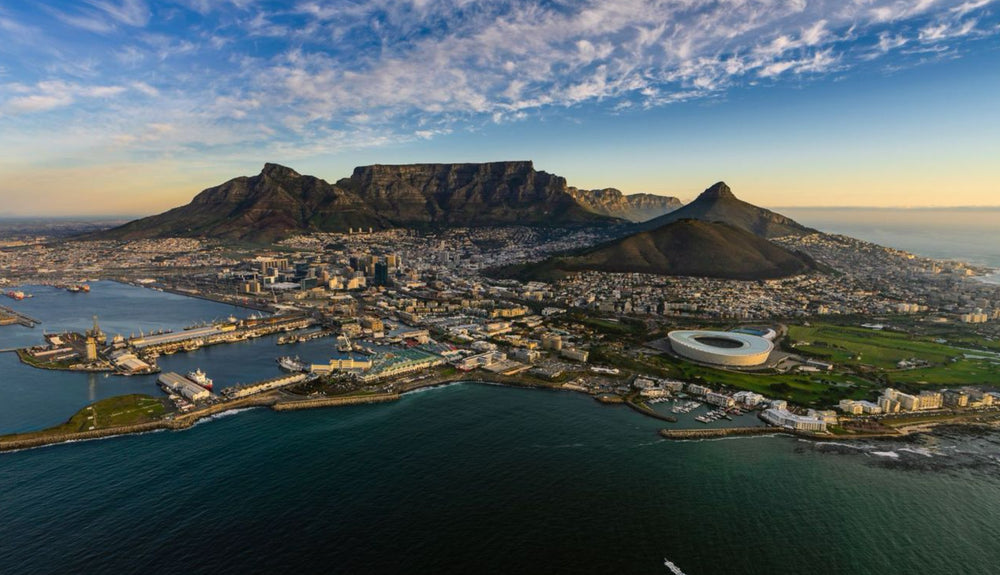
<point x="961" y="372"/>
<point x="857" y="347"/>
<point x="860" y="346"/>
<point x="111" y="412"/>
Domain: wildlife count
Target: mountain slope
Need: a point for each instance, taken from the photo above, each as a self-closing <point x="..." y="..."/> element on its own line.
<point x="718" y="204"/>
<point x="633" y="207"/>
<point x="683" y="248"/>
<point x="272" y="204"/>
<point x="280" y="202"/>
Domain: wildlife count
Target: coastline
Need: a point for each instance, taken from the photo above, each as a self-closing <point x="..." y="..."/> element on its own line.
<point x="281" y="402"/>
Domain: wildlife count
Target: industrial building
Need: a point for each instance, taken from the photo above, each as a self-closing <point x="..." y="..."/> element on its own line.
<point x="178" y="384"/>
<point x="724" y="348"/>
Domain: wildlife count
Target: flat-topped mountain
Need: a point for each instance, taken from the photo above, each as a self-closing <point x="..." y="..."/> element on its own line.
<point x="280" y="202"/>
<point x="632" y="207"/>
<point x="719" y="204"/>
<point x="494" y="193"/>
<point x="682" y="248"/>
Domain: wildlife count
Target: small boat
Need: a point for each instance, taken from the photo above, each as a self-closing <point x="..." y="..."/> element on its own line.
<point x="673" y="568"/>
<point x="198" y="376"/>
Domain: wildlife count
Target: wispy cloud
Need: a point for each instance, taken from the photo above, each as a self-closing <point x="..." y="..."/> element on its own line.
<point x="221" y="72"/>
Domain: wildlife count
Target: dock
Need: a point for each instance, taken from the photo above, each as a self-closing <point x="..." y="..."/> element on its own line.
<point x="9" y="316"/>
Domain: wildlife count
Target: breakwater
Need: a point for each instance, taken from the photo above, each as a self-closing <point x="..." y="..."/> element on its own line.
<point x="334" y="401"/>
<point x="649" y="412"/>
<point x="718" y="432"/>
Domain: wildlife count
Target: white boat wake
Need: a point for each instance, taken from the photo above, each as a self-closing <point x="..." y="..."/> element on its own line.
<point x="673" y="568"/>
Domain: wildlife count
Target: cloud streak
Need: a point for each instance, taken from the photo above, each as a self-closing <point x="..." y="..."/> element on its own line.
<point x="304" y="73"/>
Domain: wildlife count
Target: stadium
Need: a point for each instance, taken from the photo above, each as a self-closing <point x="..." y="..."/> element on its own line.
<point x="731" y="349"/>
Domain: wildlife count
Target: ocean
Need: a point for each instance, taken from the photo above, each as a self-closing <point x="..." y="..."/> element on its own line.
<point x="966" y="234"/>
<point x="482" y="479"/>
<point x="466" y="478"/>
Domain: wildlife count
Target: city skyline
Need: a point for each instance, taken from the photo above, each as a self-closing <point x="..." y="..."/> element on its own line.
<point x="132" y="107"/>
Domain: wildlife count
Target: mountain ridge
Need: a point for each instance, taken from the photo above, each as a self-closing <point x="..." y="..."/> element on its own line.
<point x="279" y="202"/>
<point x="719" y="204"/>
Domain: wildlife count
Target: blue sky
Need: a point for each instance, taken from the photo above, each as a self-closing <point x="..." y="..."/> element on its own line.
<point x="132" y="106"/>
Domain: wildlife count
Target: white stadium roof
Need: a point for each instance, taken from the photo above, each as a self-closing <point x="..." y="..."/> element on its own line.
<point x="721" y="347"/>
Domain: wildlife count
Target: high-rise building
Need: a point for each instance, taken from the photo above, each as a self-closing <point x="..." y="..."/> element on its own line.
<point x="381" y="274"/>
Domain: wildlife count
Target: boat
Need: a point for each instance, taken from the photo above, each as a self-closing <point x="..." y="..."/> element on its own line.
<point x="673" y="568"/>
<point x="343" y="343"/>
<point x="198" y="376"/>
<point x="292" y="364"/>
<point x="16" y="295"/>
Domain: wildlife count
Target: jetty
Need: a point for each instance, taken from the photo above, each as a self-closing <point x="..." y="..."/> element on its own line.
<point x="10" y="316"/>
<point x="718" y="432"/>
<point x="294" y="405"/>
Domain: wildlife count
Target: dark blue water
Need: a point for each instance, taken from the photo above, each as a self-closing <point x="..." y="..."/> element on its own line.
<point x="480" y="479"/>
<point x="467" y="479"/>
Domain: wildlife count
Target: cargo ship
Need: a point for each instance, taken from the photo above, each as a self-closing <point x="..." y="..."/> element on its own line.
<point x="292" y="364"/>
<point x="198" y="376"/>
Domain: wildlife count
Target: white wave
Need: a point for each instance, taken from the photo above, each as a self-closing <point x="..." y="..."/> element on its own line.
<point x="222" y="415"/>
<point x="890" y="454"/>
<point x="859" y="447"/>
<point x="919" y="451"/>
<point x="433" y="387"/>
<point x="84" y="440"/>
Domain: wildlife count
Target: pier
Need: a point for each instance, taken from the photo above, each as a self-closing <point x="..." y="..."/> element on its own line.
<point x="9" y="316"/>
<point x="718" y="432"/>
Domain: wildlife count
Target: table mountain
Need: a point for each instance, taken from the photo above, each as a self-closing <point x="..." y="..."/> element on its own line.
<point x="719" y="204"/>
<point x="280" y="202"/>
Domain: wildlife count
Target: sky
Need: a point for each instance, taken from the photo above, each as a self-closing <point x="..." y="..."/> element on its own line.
<point x="130" y="107"/>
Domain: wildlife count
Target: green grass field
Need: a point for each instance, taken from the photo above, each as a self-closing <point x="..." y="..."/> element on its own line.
<point x="110" y="412"/>
<point x="862" y="346"/>
<point x="857" y="347"/>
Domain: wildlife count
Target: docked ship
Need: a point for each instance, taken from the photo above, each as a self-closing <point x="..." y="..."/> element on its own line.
<point x="343" y="343"/>
<point x="78" y="288"/>
<point x="292" y="364"/>
<point x="198" y="376"/>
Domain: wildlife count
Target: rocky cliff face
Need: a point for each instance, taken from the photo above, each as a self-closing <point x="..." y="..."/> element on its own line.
<point x="493" y="193"/>
<point x="280" y="202"/>
<point x="633" y="207"/>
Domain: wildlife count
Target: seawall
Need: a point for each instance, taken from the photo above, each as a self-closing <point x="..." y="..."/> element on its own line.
<point x="294" y="405"/>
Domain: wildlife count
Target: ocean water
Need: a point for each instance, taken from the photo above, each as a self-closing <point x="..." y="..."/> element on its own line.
<point x="483" y="479"/>
<point x="965" y="234"/>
